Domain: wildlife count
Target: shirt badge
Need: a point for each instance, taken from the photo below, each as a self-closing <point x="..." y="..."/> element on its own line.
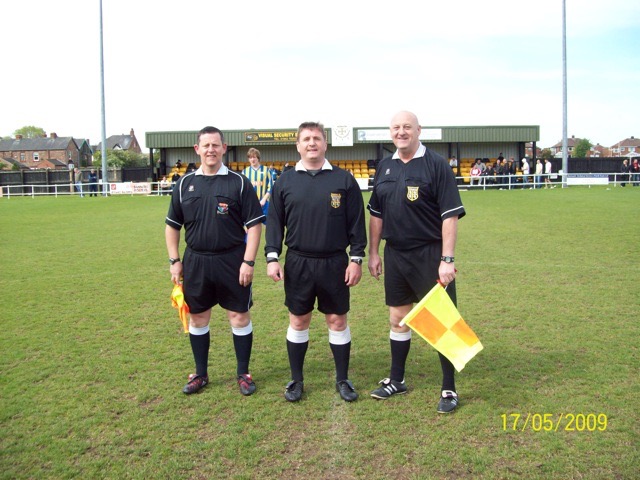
<point x="388" y="171"/>
<point x="412" y="193"/>
<point x="191" y="189"/>
<point x="335" y="200"/>
<point x="223" y="209"/>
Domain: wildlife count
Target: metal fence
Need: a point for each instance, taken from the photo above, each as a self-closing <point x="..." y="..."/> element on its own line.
<point x="504" y="182"/>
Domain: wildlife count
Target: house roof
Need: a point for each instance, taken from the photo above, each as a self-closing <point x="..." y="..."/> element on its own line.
<point x="35" y="144"/>
<point x="627" y="142"/>
<point x="571" y="142"/>
<point x="117" y="142"/>
<point x="12" y="161"/>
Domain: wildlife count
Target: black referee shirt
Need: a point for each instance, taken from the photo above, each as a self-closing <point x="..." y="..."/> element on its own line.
<point x="214" y="209"/>
<point x="413" y="199"/>
<point x="322" y="213"/>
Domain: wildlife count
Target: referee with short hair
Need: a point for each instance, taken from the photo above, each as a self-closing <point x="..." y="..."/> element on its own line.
<point x="215" y="205"/>
<point x="322" y="210"/>
<point x="415" y="207"/>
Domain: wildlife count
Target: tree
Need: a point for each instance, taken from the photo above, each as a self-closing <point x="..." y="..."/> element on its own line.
<point x="30" y="131"/>
<point x="121" y="158"/>
<point x="546" y="154"/>
<point x="582" y="148"/>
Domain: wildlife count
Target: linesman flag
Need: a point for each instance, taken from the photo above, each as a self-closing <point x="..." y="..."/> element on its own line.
<point x="177" y="301"/>
<point x="436" y="319"/>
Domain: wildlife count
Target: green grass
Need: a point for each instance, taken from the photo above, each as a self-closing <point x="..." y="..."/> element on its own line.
<point x="93" y="358"/>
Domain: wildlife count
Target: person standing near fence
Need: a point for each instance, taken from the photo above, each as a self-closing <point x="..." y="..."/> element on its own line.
<point x="217" y="208"/>
<point x="538" y="174"/>
<point x="634" y="169"/>
<point x="93" y="183"/>
<point x="77" y="173"/>
<point x="415" y="206"/>
<point x="525" y="172"/>
<point x="547" y="174"/>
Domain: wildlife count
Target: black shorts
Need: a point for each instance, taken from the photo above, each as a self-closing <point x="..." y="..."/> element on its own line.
<point x="308" y="278"/>
<point x="210" y="280"/>
<point x="410" y="274"/>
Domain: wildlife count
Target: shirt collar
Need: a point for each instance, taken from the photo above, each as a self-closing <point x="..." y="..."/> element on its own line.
<point x="223" y="170"/>
<point x="419" y="152"/>
<point x="325" y="166"/>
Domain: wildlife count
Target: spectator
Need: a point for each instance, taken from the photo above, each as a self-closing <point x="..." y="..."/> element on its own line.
<point x="93" y="183"/>
<point x="78" y="180"/>
<point x="261" y="178"/>
<point x="525" y="171"/>
<point x="635" y="173"/>
<point x="174" y="178"/>
<point x="547" y="174"/>
<point x="625" y="172"/>
<point x="475" y="173"/>
<point x="489" y="175"/>
<point x="165" y="186"/>
<point x="538" y="177"/>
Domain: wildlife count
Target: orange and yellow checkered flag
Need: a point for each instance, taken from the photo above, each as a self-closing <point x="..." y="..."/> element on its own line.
<point x="436" y="319"/>
<point x="177" y="301"/>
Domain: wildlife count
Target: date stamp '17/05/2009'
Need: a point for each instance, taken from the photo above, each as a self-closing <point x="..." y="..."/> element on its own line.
<point x="552" y="422"/>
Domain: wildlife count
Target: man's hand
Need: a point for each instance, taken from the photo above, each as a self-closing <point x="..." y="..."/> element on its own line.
<point x="353" y="274"/>
<point x="375" y="265"/>
<point x="275" y="272"/>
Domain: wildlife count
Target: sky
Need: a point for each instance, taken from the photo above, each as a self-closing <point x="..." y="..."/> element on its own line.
<point x="181" y="65"/>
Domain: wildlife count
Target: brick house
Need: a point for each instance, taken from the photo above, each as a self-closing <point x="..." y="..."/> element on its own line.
<point x="626" y="148"/>
<point x="121" y="142"/>
<point x="47" y="152"/>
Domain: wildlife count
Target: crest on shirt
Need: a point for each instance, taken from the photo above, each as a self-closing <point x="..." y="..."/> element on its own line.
<point x="191" y="189"/>
<point x="412" y="193"/>
<point x="335" y="200"/>
<point x="388" y="171"/>
<point x="223" y="209"/>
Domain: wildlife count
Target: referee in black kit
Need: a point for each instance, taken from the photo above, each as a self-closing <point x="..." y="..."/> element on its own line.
<point x="215" y="205"/>
<point x="322" y="209"/>
<point x="415" y="207"/>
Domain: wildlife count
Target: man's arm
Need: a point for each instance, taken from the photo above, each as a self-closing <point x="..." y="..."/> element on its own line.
<point x="375" y="235"/>
<point x="447" y="271"/>
<point x="172" y="238"/>
<point x="250" y="252"/>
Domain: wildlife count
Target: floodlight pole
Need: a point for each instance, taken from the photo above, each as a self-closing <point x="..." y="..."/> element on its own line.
<point x="105" y="190"/>
<point x="565" y="161"/>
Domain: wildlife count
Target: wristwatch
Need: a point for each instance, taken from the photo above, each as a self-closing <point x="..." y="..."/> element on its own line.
<point x="357" y="260"/>
<point x="251" y="263"/>
<point x="272" y="259"/>
<point x="447" y="259"/>
<point x="174" y="260"/>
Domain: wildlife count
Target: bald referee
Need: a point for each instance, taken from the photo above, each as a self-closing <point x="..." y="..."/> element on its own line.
<point x="415" y="207"/>
<point x="322" y="210"/>
<point x="260" y="177"/>
<point x="215" y="205"/>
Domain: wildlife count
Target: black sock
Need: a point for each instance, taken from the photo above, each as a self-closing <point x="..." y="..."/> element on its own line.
<point x="448" y="372"/>
<point x="399" y="353"/>
<point x="200" y="348"/>
<point x="242" y="345"/>
<point x="341" y="354"/>
<point x="297" y="352"/>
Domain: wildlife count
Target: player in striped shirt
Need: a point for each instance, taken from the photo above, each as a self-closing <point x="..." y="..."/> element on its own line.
<point x="261" y="179"/>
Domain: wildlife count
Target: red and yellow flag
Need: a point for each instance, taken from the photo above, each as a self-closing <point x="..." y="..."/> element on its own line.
<point x="436" y="319"/>
<point x="177" y="301"/>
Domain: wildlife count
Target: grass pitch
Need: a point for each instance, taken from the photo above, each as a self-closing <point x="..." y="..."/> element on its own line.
<point x="93" y="358"/>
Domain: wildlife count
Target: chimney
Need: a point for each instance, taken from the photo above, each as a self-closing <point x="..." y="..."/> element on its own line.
<point x="131" y="133"/>
<point x="18" y="137"/>
<point x="54" y="135"/>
